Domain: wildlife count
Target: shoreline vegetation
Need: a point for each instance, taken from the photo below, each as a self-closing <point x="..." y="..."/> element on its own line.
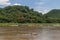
<point x="24" y="14"/>
<point x="31" y="25"/>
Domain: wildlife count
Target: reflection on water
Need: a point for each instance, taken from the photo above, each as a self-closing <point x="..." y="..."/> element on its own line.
<point x="13" y="33"/>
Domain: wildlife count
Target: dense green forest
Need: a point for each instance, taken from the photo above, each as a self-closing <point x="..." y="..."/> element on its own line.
<point x="24" y="14"/>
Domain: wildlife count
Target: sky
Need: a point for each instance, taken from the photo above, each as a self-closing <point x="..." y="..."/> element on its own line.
<point x="43" y="6"/>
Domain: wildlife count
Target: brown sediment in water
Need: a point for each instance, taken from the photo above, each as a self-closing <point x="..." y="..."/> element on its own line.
<point x="16" y="33"/>
<point x="24" y="32"/>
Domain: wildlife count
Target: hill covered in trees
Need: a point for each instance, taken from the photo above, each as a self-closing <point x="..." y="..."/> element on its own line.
<point x="19" y="14"/>
<point x="24" y="14"/>
<point x="55" y="13"/>
<point x="53" y="16"/>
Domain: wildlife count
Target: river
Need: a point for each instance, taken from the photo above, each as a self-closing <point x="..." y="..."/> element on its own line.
<point x="17" y="33"/>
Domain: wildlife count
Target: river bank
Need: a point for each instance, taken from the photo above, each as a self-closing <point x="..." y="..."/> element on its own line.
<point x="31" y="25"/>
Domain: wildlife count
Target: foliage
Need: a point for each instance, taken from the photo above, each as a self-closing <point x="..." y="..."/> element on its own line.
<point x="19" y="14"/>
<point x="24" y="14"/>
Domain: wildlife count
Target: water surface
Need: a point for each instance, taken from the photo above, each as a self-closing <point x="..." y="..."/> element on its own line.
<point x="18" y="33"/>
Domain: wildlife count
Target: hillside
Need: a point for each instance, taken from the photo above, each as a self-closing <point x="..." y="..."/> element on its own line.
<point x="53" y="16"/>
<point x="24" y="14"/>
<point x="55" y="13"/>
<point x="19" y="14"/>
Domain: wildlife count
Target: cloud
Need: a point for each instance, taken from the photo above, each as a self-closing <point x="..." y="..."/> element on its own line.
<point x="4" y="2"/>
<point x="41" y="6"/>
<point x="16" y="4"/>
<point x="43" y="11"/>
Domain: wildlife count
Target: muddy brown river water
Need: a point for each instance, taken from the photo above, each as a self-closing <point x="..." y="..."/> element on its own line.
<point x="17" y="33"/>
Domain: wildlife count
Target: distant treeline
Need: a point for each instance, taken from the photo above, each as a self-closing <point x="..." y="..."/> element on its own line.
<point x="24" y="14"/>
